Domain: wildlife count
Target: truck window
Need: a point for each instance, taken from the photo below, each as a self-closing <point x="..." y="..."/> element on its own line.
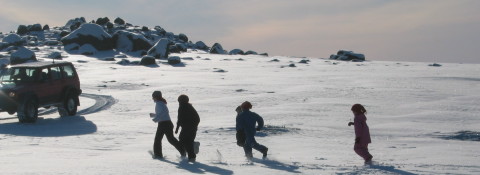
<point x="68" y="71"/>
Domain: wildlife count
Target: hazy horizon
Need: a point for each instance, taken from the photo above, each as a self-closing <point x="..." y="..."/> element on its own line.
<point x="420" y="31"/>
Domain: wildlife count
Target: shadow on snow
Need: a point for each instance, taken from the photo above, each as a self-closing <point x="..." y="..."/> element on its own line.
<point x="273" y="164"/>
<point x="51" y="127"/>
<point x="199" y="168"/>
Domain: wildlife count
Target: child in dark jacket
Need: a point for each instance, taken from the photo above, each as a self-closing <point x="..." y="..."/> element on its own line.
<point x="188" y="119"/>
<point x="246" y="121"/>
<point x="362" y="133"/>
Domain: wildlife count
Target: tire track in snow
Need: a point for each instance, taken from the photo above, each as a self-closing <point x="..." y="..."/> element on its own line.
<point x="102" y="102"/>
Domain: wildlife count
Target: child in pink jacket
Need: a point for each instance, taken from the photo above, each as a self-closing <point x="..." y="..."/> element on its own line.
<point x="362" y="133"/>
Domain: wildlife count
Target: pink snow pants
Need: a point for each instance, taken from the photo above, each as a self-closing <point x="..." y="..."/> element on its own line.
<point x="362" y="151"/>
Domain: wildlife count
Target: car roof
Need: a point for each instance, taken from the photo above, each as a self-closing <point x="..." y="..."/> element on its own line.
<point x="39" y="64"/>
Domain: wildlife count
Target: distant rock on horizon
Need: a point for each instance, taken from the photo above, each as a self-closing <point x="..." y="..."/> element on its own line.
<point x="348" y="56"/>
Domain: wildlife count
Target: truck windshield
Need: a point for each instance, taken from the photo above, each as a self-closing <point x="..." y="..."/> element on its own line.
<point x="18" y="75"/>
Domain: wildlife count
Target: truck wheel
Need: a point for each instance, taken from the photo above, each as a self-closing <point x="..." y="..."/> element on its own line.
<point x="28" y="111"/>
<point x="69" y="106"/>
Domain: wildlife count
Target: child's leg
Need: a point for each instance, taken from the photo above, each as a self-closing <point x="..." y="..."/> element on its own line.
<point x="362" y="151"/>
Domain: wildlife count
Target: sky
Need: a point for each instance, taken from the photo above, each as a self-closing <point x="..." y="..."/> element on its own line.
<point x="390" y="30"/>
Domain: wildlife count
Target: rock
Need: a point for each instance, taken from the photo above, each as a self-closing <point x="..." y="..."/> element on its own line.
<point x="3" y="45"/>
<point x="71" y="47"/>
<point x="304" y="61"/>
<point x="174" y="60"/>
<point x="217" y="49"/>
<point x="160" y="30"/>
<point x="91" y="34"/>
<point x="46" y="27"/>
<point x="22" y="55"/>
<point x="22" y="30"/>
<point x="35" y="28"/>
<point x="160" y="49"/>
<point x="236" y="52"/>
<point x="125" y="41"/>
<point x="250" y="52"/>
<point x="124" y="62"/>
<point x="348" y="56"/>
<point x="200" y="45"/>
<point x="183" y="37"/>
<point x="177" y="48"/>
<point x="435" y="65"/>
<point x="55" y="55"/>
<point x="148" y="60"/>
<point x="87" y="49"/>
<point x="51" y="42"/>
<point x="14" y="40"/>
<point x="73" y="24"/>
<point x="119" y="21"/>
<point x="102" y="21"/>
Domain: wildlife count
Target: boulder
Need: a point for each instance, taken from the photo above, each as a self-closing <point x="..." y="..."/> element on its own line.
<point x="87" y="49"/>
<point x="177" y="48"/>
<point x="236" y="52"/>
<point x="201" y="45"/>
<point x="55" y="55"/>
<point x="160" y="49"/>
<point x="147" y="60"/>
<point x="183" y="37"/>
<point x="22" y="30"/>
<point x="251" y="53"/>
<point x="13" y="40"/>
<point x="102" y="21"/>
<point x="22" y="55"/>
<point x="46" y="27"/>
<point x="73" y="24"/>
<point x="35" y="28"/>
<point x="92" y="34"/>
<point x="348" y="56"/>
<point x="119" y="21"/>
<point x="217" y="49"/>
<point x="125" y="41"/>
<point x="174" y="60"/>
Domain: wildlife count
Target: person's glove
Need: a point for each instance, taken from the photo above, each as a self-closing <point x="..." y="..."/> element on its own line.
<point x="357" y="140"/>
<point x="350" y="123"/>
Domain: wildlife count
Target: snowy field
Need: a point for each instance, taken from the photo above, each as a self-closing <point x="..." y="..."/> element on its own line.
<point x="423" y="119"/>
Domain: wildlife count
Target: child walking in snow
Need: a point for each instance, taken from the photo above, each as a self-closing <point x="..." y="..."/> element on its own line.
<point x="188" y="120"/>
<point x="246" y="121"/>
<point x="362" y="133"/>
<point x="165" y="126"/>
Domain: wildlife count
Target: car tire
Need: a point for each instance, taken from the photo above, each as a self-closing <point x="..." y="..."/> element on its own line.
<point x="27" y="111"/>
<point x="68" y="106"/>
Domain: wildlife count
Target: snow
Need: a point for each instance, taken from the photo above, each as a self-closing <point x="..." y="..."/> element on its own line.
<point x="94" y="30"/>
<point x="415" y="112"/>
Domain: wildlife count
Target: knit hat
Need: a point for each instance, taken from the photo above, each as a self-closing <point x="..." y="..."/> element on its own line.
<point x="157" y="94"/>
<point x="183" y="98"/>
<point x="246" y="105"/>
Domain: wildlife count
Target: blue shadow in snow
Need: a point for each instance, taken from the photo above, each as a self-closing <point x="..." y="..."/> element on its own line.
<point x="51" y="127"/>
<point x="390" y="169"/>
<point x="273" y="164"/>
<point x="199" y="168"/>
